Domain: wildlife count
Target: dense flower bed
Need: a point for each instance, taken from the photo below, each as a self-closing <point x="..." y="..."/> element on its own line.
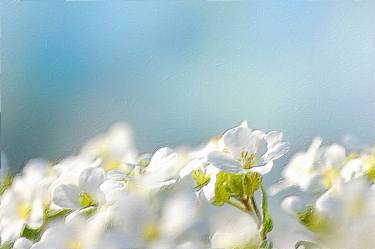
<point x="109" y="196"/>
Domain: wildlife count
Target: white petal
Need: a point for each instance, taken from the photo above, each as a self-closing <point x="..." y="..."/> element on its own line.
<point x="223" y="161"/>
<point x="292" y="205"/>
<point x="237" y="139"/>
<point x="334" y="155"/>
<point x="353" y="169"/>
<point x="263" y="169"/>
<point x="164" y="157"/>
<point x="66" y="196"/>
<point x="91" y="178"/>
<point x="209" y="189"/>
<point x="192" y="165"/>
<point x="22" y="243"/>
<point x="275" y="147"/>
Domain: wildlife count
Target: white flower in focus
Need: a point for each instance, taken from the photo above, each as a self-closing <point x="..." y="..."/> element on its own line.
<point x="242" y="149"/>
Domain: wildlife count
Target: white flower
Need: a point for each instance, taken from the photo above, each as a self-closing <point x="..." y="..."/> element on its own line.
<point x="173" y="222"/>
<point x="206" y="189"/>
<point x="24" y="202"/>
<point x="234" y="230"/>
<point x="242" y="149"/>
<point x="160" y="172"/>
<point x="313" y="170"/>
<point x="84" y="194"/>
<point x="347" y="200"/>
<point x="115" y="148"/>
<point x="77" y="234"/>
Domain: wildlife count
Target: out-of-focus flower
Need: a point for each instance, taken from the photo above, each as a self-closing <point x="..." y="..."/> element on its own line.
<point x="314" y="170"/>
<point x="115" y="148"/>
<point x="25" y="201"/>
<point x="86" y="193"/>
<point x="234" y="230"/>
<point x="160" y="171"/>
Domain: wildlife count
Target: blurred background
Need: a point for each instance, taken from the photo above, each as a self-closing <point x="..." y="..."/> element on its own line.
<point x="180" y="72"/>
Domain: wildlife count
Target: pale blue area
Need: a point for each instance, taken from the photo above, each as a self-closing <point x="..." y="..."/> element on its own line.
<point x="180" y="72"/>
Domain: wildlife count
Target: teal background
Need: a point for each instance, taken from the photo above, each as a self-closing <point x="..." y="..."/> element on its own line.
<point x="180" y="72"/>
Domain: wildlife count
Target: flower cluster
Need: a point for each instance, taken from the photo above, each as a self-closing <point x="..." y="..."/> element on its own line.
<point x="110" y="196"/>
<point x="336" y="198"/>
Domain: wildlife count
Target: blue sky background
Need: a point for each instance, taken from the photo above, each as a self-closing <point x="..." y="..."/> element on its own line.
<point x="180" y="72"/>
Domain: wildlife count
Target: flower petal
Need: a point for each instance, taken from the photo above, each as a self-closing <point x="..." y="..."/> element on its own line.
<point x="91" y="178"/>
<point x="223" y="162"/>
<point x="66" y="196"/>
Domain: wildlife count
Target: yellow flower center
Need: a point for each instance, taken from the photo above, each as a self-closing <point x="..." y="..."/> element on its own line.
<point x="74" y="244"/>
<point x="23" y="210"/>
<point x="248" y="159"/>
<point x="329" y="177"/>
<point x="355" y="208"/>
<point x="150" y="232"/>
<point x="86" y="200"/>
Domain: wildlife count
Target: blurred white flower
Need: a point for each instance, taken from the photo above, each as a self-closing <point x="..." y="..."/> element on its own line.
<point x="85" y="194"/>
<point x="115" y="148"/>
<point x="25" y="201"/>
<point x="292" y="205"/>
<point x="313" y="170"/>
<point x="160" y="172"/>
<point x="234" y="230"/>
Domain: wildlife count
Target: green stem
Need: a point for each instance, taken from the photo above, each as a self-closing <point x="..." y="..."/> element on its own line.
<point x="256" y="210"/>
<point x="251" y="211"/>
<point x="237" y="205"/>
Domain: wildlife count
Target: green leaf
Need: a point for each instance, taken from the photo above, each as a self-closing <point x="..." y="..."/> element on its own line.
<point x="251" y="183"/>
<point x="306" y="245"/>
<point x="30" y="233"/>
<point x="267" y="225"/>
<point x="55" y="214"/>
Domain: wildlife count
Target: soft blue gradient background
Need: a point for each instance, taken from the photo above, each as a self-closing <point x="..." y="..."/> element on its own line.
<point x="180" y="72"/>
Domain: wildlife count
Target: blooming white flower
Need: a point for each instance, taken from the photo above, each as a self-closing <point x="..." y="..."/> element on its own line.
<point x="242" y="149"/>
<point x="86" y="193"/>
